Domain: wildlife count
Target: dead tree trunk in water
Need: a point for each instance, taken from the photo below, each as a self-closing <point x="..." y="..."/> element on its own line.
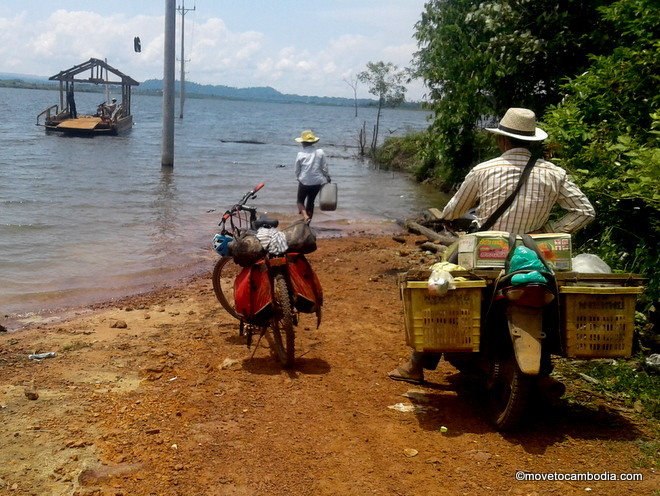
<point x="362" y="139"/>
<point x="353" y="84"/>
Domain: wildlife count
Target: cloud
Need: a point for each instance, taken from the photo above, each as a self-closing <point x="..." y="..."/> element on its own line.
<point x="215" y="53"/>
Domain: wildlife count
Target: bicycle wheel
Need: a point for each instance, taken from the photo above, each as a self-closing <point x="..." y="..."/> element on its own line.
<point x="282" y="323"/>
<point x="224" y="274"/>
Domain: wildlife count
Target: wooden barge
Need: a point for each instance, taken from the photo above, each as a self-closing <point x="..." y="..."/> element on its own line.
<point x="110" y="118"/>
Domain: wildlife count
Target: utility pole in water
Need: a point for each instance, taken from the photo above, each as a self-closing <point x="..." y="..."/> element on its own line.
<point x="167" y="153"/>
<point x="182" y="92"/>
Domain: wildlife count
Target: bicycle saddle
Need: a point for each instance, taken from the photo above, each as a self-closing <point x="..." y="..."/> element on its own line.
<point x="264" y="221"/>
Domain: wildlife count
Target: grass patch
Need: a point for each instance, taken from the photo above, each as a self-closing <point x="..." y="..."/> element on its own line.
<point x="626" y="380"/>
<point x="76" y="345"/>
<point x="649" y="453"/>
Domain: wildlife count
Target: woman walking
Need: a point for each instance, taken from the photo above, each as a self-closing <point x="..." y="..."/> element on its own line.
<point x="311" y="172"/>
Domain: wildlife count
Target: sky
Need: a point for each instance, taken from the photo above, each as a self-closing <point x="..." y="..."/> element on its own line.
<point x="306" y="47"/>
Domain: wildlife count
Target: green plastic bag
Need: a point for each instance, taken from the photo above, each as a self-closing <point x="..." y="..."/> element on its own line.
<point x="525" y="259"/>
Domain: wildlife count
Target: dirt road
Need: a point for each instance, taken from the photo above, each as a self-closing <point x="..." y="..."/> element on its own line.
<point x="157" y="395"/>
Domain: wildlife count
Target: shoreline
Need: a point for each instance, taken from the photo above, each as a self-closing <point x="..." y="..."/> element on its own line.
<point x="68" y="309"/>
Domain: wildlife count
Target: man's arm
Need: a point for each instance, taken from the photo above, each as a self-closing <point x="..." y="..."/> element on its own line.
<point x="464" y="199"/>
<point x="580" y="211"/>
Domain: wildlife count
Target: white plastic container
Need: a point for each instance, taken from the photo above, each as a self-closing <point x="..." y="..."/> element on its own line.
<point x="328" y="197"/>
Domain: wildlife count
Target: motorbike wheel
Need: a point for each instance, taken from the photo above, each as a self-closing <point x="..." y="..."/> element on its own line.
<point x="224" y="274"/>
<point x="282" y="324"/>
<point x="508" y="393"/>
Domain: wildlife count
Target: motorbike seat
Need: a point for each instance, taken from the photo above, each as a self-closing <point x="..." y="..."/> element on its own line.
<point x="264" y="221"/>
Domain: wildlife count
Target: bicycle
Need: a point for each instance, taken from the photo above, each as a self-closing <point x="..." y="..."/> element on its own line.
<point x="269" y="284"/>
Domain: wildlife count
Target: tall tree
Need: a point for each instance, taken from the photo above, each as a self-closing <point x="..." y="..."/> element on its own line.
<point x="606" y="130"/>
<point x="479" y="58"/>
<point x="385" y="81"/>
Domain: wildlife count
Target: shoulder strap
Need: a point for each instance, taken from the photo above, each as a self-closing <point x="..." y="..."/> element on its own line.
<point x="507" y="203"/>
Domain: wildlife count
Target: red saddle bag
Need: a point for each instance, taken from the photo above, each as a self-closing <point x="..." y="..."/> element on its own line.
<point x="253" y="295"/>
<point x="306" y="288"/>
<point x="253" y="292"/>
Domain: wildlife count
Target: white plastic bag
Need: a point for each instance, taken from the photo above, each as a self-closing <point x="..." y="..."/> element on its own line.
<point x="587" y="263"/>
<point x="441" y="279"/>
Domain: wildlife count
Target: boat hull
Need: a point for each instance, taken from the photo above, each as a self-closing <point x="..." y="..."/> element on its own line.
<point x="89" y="125"/>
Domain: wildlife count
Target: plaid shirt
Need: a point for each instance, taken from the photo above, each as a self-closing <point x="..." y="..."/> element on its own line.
<point x="491" y="182"/>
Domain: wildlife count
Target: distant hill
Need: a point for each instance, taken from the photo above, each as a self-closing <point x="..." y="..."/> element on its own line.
<point x="28" y="78"/>
<point x="195" y="90"/>
<point x="261" y="93"/>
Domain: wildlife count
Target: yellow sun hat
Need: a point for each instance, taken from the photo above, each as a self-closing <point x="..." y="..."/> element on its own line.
<point x="307" y="137"/>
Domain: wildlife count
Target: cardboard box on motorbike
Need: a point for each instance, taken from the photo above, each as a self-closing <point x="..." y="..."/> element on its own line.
<point x="489" y="249"/>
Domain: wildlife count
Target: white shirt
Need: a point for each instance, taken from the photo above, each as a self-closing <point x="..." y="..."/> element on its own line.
<point x="491" y="182"/>
<point x="311" y="167"/>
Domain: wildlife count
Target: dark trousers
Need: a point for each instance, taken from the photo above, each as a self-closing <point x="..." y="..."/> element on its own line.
<point x="307" y="196"/>
<point x="428" y="361"/>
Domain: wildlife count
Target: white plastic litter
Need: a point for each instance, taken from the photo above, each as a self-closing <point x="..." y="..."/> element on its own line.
<point x="653" y="361"/>
<point x="41" y="356"/>
<point x="410" y="408"/>
<point x="402" y="407"/>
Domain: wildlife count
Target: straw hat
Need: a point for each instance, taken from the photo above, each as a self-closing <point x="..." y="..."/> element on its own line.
<point x="519" y="123"/>
<point x="307" y="137"/>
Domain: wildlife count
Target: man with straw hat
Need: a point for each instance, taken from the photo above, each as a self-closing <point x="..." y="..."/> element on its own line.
<point x="311" y="172"/>
<point x="490" y="183"/>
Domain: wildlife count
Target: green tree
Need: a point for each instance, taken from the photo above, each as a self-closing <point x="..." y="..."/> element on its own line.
<point x="385" y="81"/>
<point x="606" y="131"/>
<point x="479" y="58"/>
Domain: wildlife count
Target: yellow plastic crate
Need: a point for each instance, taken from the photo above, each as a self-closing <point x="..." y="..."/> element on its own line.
<point x="598" y="322"/>
<point x="449" y="323"/>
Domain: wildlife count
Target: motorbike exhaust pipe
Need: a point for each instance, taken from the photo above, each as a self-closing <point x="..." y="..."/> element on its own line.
<point x="551" y="388"/>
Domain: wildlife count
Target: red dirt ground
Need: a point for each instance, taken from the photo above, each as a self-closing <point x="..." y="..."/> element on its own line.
<point x="175" y="404"/>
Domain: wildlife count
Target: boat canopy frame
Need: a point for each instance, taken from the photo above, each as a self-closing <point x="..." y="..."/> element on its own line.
<point x="100" y="72"/>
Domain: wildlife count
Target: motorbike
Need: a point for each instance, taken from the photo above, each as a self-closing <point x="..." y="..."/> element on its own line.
<point x="263" y="278"/>
<point x="520" y="330"/>
<point x="527" y="313"/>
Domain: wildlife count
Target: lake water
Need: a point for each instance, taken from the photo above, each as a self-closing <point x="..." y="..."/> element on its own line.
<point x="90" y="219"/>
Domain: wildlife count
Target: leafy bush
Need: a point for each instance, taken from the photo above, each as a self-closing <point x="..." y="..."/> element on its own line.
<point x="606" y="132"/>
<point x="399" y="153"/>
<point x="480" y="58"/>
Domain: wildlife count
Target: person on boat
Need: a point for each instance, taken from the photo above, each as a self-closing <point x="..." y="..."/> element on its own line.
<point x="111" y="107"/>
<point x="311" y="173"/>
<point x="491" y="182"/>
<point x="71" y="103"/>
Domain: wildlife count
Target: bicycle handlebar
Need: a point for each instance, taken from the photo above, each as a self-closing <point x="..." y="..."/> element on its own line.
<point x="241" y="204"/>
<point x="251" y="194"/>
